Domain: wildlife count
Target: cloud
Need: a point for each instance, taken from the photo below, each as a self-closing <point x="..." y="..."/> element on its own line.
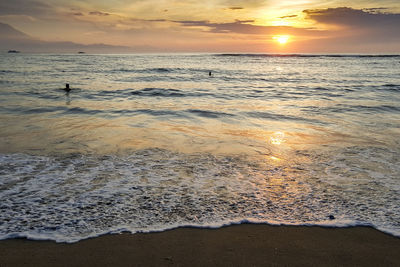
<point x="236" y="8"/>
<point x="246" y="27"/>
<point x="154" y="20"/>
<point x="375" y="10"/>
<point x="289" y="16"/>
<point x="24" y="7"/>
<point x="369" y="26"/>
<point x="345" y="16"/>
<point x="98" y="13"/>
<point x="232" y="27"/>
<point x="359" y="30"/>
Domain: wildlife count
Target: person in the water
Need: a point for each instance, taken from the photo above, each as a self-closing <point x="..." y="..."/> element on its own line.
<point x="67" y="89"/>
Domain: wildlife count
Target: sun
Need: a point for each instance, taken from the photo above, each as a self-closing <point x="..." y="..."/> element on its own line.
<point x="282" y="39"/>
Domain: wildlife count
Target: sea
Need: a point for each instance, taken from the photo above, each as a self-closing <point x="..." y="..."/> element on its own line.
<point x="150" y="142"/>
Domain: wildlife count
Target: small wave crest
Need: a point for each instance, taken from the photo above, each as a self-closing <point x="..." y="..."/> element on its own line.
<point x="310" y="55"/>
<point x="216" y="225"/>
<point x="147" y="70"/>
<point x="159" y="92"/>
<point x="209" y="114"/>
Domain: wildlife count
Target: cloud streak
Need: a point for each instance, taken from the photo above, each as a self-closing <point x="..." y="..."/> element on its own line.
<point x="247" y="27"/>
<point x="99" y="13"/>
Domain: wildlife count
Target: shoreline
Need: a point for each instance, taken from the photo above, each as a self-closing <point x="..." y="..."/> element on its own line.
<point x="235" y="245"/>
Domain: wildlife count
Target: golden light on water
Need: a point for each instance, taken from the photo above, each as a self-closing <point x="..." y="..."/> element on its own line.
<point x="282" y="39"/>
<point x="275" y="158"/>
<point x="277" y="138"/>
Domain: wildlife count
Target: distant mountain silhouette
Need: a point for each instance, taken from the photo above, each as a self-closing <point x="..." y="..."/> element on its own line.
<point x="8" y="32"/>
<point x="13" y="39"/>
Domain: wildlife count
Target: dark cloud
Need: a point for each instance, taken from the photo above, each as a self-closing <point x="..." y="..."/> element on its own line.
<point x="360" y="27"/>
<point x="245" y="21"/>
<point x="148" y="20"/>
<point x="156" y="20"/>
<point x="193" y="22"/>
<point x="98" y="13"/>
<point x="78" y="14"/>
<point x="236" y="8"/>
<point x="24" y="7"/>
<point x="375" y="10"/>
<point x="289" y="16"/>
<point x="355" y="17"/>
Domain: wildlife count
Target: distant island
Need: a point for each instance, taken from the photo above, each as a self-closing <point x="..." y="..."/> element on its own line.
<point x="13" y="51"/>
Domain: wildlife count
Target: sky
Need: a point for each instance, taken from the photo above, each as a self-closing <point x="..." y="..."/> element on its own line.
<point x="254" y="26"/>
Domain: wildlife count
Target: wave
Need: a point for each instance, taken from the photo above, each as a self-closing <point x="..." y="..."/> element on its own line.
<point x="123" y="112"/>
<point x="36" y="236"/>
<point x="71" y="197"/>
<point x="341" y="108"/>
<point x="159" y="92"/>
<point x="8" y="71"/>
<point x="390" y="87"/>
<point x="165" y="92"/>
<point x="155" y="70"/>
<point x="129" y="93"/>
<point x="80" y="111"/>
<point x="209" y="114"/>
<point x="280" y="117"/>
<point x="147" y="70"/>
<point x="310" y="55"/>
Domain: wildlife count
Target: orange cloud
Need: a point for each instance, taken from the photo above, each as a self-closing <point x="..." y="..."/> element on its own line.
<point x="246" y="27"/>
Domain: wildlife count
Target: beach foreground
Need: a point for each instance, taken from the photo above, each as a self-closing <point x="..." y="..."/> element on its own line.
<point x="239" y="245"/>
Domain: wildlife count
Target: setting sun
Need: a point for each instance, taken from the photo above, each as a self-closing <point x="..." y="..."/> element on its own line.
<point x="282" y="39"/>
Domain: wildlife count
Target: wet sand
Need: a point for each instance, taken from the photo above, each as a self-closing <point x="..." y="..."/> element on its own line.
<point x="240" y="245"/>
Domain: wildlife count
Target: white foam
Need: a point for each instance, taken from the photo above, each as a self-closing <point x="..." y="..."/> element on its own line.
<point x="70" y="198"/>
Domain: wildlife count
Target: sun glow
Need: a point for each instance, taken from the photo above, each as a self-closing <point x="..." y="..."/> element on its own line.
<point x="282" y="39"/>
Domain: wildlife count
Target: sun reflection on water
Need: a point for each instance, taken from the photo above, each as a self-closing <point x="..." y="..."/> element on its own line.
<point x="277" y="138"/>
<point x="275" y="158"/>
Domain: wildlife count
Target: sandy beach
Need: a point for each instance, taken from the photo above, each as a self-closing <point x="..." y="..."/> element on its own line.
<point x="240" y="245"/>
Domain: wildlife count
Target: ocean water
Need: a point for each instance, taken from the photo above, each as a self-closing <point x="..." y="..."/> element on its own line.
<point x="151" y="142"/>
